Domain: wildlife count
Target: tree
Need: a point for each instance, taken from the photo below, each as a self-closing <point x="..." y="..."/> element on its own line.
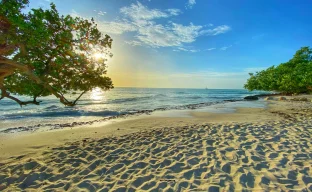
<point x="44" y="53"/>
<point x="294" y="76"/>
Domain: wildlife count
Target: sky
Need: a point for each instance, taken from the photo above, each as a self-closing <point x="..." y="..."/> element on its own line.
<point x="194" y="43"/>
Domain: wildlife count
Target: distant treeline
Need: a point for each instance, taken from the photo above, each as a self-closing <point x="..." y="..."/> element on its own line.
<point x="294" y="76"/>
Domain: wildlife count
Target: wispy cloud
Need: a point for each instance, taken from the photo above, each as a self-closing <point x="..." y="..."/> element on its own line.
<point x="225" y="48"/>
<point x="217" y="30"/>
<point x="138" y="12"/>
<point x="190" y="4"/>
<point x="210" y="49"/>
<point x="133" y="43"/>
<point x="157" y="35"/>
<point x="192" y="50"/>
<point x="150" y="32"/>
<point x="174" y="12"/>
<point x="186" y="50"/>
<point x="116" y="27"/>
<point x="102" y="13"/>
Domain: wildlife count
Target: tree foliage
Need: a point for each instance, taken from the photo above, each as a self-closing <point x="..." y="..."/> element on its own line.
<point x="294" y="76"/>
<point x="44" y="53"/>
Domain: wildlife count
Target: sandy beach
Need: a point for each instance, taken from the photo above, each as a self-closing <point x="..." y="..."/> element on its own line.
<point x="159" y="96"/>
<point x="249" y="149"/>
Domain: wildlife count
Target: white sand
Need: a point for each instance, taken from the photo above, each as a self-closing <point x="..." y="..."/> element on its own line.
<point x="254" y="149"/>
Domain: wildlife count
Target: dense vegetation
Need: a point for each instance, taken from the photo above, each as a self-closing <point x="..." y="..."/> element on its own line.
<point x="44" y="53"/>
<point x="294" y="76"/>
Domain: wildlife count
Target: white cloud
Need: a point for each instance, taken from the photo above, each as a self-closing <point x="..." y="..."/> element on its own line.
<point x="143" y="21"/>
<point x="186" y="50"/>
<point x="173" y="34"/>
<point x="134" y="43"/>
<point x="116" y="27"/>
<point x="190" y="4"/>
<point x="101" y="13"/>
<point x="225" y="48"/>
<point x="174" y="12"/>
<point x="156" y="35"/>
<point x="210" y="49"/>
<point x="217" y="30"/>
<point x="187" y="33"/>
<point x="138" y="12"/>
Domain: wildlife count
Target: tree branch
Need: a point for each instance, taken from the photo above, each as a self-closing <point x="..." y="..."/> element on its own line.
<point x="21" y="103"/>
<point x="4" y="94"/>
<point x="6" y="48"/>
<point x="24" y="69"/>
<point x="37" y="95"/>
<point x="79" y="97"/>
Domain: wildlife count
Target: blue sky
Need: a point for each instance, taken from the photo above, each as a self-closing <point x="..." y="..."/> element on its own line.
<point x="194" y="43"/>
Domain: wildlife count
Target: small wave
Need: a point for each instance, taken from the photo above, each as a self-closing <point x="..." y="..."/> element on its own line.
<point x="107" y="115"/>
<point x="220" y="97"/>
<point x="187" y="97"/>
<point x="124" y="100"/>
<point x="194" y="97"/>
<point x="16" y="115"/>
<point x="68" y="113"/>
<point x="160" y="95"/>
<point x="91" y="103"/>
<point x="52" y="107"/>
<point x="7" y="103"/>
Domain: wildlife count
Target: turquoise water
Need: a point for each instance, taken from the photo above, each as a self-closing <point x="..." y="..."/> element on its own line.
<point x="98" y="104"/>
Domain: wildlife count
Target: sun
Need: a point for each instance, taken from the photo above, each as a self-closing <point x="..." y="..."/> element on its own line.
<point x="98" y="56"/>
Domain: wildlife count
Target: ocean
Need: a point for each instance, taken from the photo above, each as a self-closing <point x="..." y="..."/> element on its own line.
<point x="98" y="105"/>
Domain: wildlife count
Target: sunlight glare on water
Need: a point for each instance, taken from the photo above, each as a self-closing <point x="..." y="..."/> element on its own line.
<point x="97" y="95"/>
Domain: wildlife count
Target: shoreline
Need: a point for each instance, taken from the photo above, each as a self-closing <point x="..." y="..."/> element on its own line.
<point x="122" y="126"/>
<point x="36" y="127"/>
<point x="111" y="126"/>
<point x="55" y="126"/>
<point x="250" y="149"/>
